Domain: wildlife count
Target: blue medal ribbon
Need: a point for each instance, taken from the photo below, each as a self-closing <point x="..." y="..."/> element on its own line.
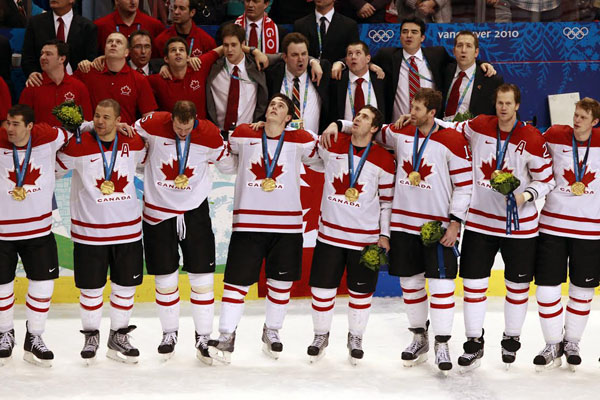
<point x="418" y="152"/>
<point x="512" y="214"/>
<point x="182" y="157"/>
<point x="191" y="47"/>
<point x="440" y="258"/>
<point x="415" y="71"/>
<point x="355" y="174"/>
<point x="580" y="172"/>
<point x="352" y="99"/>
<point x="270" y="165"/>
<point x="501" y="147"/>
<point x="108" y="169"/>
<point x="21" y="170"/>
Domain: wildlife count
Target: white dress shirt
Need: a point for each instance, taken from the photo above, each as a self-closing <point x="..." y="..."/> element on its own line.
<point x="469" y="73"/>
<point x="328" y="17"/>
<point x="310" y="115"/>
<point x="145" y="68"/>
<point x="365" y="87"/>
<point x="67" y="19"/>
<point x="401" y="99"/>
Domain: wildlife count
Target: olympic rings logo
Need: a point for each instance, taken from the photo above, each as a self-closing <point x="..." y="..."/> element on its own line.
<point x="576" y="32"/>
<point x="381" y="35"/>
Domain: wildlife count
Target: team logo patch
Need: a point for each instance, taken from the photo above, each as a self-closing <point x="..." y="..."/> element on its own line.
<point x="119" y="182"/>
<point x="196" y="53"/>
<point x="259" y="171"/>
<point x="125" y="90"/>
<point x="31" y="177"/>
<point x="195" y="84"/>
<point x="340" y="185"/>
<point x="587" y="179"/>
<point x="69" y="96"/>
<point x="487" y="168"/>
<point x="171" y="171"/>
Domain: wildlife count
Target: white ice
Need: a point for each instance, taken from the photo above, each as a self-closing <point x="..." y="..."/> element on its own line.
<point x="252" y="375"/>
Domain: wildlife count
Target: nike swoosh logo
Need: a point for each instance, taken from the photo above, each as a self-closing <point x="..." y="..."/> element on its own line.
<point x="51" y="270"/>
<point x="566" y="151"/>
<point x="339" y="158"/>
<point x="136" y="276"/>
<point x="488" y="142"/>
<point x="589" y="279"/>
<point x="167" y="144"/>
<point x="211" y="264"/>
<point x="283" y="273"/>
<point x="252" y="144"/>
<point x="94" y="159"/>
<point x="522" y="275"/>
<point x="360" y="283"/>
<point x="408" y="141"/>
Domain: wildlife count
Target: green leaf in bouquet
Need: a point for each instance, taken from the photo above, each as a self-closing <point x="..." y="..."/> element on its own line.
<point x="432" y="232"/>
<point x="505" y="183"/>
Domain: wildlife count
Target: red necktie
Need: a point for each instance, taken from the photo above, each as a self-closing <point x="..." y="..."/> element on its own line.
<point x="141" y="71"/>
<point x="233" y="100"/>
<point x="21" y="8"/>
<point x="414" y="82"/>
<point x="296" y="98"/>
<point x="452" y="105"/>
<point x="359" y="96"/>
<point x="60" y="32"/>
<point x="253" y="42"/>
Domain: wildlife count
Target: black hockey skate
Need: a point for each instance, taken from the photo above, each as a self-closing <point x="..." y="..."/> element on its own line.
<point x="7" y="343"/>
<point x="272" y="345"/>
<point x="202" y="348"/>
<point x="316" y="350"/>
<point x="471" y="358"/>
<point x="442" y="354"/>
<point x="90" y="346"/>
<point x="510" y="345"/>
<point x="222" y="348"/>
<point x="119" y="348"/>
<point x="166" y="348"/>
<point x="549" y="357"/>
<point x="36" y="351"/>
<point x="354" y="348"/>
<point x="416" y="352"/>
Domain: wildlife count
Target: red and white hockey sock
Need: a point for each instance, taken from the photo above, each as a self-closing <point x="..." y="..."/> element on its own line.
<point x="278" y="297"/>
<point x="7" y="306"/>
<point x="415" y="299"/>
<point x="39" y="295"/>
<point x="121" y="305"/>
<point x="323" y="301"/>
<point x="232" y="307"/>
<point x="550" y="310"/>
<point x="475" y="305"/>
<point x="202" y="299"/>
<point x="441" y="306"/>
<point x="515" y="307"/>
<point x="578" y="312"/>
<point x="359" y="309"/>
<point x="167" y="300"/>
<point x="90" y="308"/>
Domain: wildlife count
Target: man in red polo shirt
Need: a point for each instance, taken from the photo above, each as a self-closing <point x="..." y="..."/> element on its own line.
<point x="125" y="19"/>
<point x="5" y="101"/>
<point x="118" y="81"/>
<point x="199" y="42"/>
<point x="57" y="86"/>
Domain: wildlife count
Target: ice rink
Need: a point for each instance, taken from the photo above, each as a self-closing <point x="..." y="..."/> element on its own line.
<point x="252" y="375"/>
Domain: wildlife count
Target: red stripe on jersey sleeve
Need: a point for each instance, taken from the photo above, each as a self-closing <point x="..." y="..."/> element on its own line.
<point x="405" y="226"/>
<point x="498" y="217"/>
<point x="502" y="231"/>
<point x="460" y="171"/>
<point x="465" y="183"/>
<point x="540" y="169"/>
<point x="572" y="231"/>
<point x="343" y="241"/>
<point x="266" y="226"/>
<point x="162" y="209"/>
<point x="105" y="238"/>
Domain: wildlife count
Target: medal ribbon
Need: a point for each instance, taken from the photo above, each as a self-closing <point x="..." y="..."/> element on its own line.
<point x="182" y="158"/>
<point x="304" y="100"/>
<point x="418" y="152"/>
<point x="239" y="78"/>
<point x="355" y="174"/>
<point x="352" y="99"/>
<point x="512" y="214"/>
<point x="501" y="148"/>
<point x="21" y="170"/>
<point x="580" y="172"/>
<point x="417" y="72"/>
<point x="191" y="47"/>
<point x="270" y="166"/>
<point x="108" y="169"/>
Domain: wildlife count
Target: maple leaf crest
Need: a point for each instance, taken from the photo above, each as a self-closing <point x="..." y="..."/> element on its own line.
<point x="31" y="176"/>
<point x="588" y="177"/>
<point x="341" y="184"/>
<point x="195" y="84"/>
<point x="171" y="170"/>
<point x="488" y="168"/>
<point x="424" y="169"/>
<point x="196" y="53"/>
<point x="120" y="182"/>
<point x="310" y="196"/>
<point x="258" y="169"/>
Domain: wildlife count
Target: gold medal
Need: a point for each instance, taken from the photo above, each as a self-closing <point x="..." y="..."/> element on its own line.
<point x="414" y="178"/>
<point x="352" y="194"/>
<point x="268" y="184"/>
<point x="181" y="181"/>
<point x="19" y="193"/>
<point x="578" y="188"/>
<point x="107" y="187"/>
<point x="496" y="173"/>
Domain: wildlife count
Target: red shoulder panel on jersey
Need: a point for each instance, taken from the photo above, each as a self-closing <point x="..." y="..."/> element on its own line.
<point x="454" y="141"/>
<point x="562" y="134"/>
<point x="207" y="134"/>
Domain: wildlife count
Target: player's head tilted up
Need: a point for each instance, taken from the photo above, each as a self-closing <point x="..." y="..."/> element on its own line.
<point x="117" y="46"/>
<point x="280" y="110"/>
<point x="366" y="123"/>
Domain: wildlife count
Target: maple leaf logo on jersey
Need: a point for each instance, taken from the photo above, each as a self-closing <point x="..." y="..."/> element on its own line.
<point x="424" y="169"/>
<point x="196" y="53"/>
<point x="195" y="84"/>
<point x="120" y="182"/>
<point x="258" y="169"/>
<point x="125" y="90"/>
<point x="69" y="96"/>
<point x="341" y="184"/>
<point x="588" y="177"/>
<point x="171" y="170"/>
<point x="311" y="192"/>
<point x="31" y="176"/>
<point x="488" y="168"/>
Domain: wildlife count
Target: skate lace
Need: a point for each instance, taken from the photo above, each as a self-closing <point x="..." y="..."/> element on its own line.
<point x="123" y="341"/>
<point x="202" y="341"/>
<point x="550" y="351"/>
<point x="416" y="344"/>
<point x="169" y="338"/>
<point x="7" y="339"/>
<point x="272" y="335"/>
<point x="442" y="353"/>
<point x="38" y="343"/>
<point x="319" y="341"/>
<point x="571" y="348"/>
<point x="91" y="343"/>
<point x="355" y="342"/>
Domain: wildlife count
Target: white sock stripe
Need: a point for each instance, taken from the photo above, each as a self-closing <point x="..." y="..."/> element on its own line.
<point x="207" y="279"/>
<point x="167" y="281"/>
<point x="283" y="285"/>
<point x="233" y="294"/>
<point x="277" y="295"/>
<point x="202" y="296"/>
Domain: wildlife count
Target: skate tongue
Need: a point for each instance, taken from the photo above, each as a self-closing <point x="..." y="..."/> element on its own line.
<point x="472" y="346"/>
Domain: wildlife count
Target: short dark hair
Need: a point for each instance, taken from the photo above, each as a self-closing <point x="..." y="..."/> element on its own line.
<point x="193" y="4"/>
<point x="414" y="20"/>
<point x="184" y="110"/>
<point x="509" y="87"/>
<point x="377" y="116"/>
<point x="430" y="97"/>
<point x="467" y="33"/>
<point x="286" y="100"/>
<point x="110" y="103"/>
<point x="589" y="105"/>
<point x="62" y="48"/>
<point x="295" y="38"/>
<point x="234" y="30"/>
<point x="362" y="44"/>
<point x="175" y="39"/>
<point x="24" y="111"/>
<point x="139" y="32"/>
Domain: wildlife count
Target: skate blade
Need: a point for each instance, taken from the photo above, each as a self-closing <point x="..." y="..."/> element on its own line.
<point x="5" y="360"/>
<point x="413" y="363"/>
<point x="445" y="373"/>
<point x="115" y="355"/>
<point x="353" y="361"/>
<point x="89" y="361"/>
<point x="166" y="356"/>
<point x="557" y="362"/>
<point x="468" y="368"/>
<point x="272" y="354"/>
<point x="572" y="367"/>
<point x="314" y="359"/>
<point x="32" y="359"/>
<point x="203" y="358"/>
<point x="507" y="366"/>
<point x="223" y="357"/>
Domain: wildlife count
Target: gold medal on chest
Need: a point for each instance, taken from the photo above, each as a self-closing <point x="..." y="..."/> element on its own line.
<point x="19" y="193"/>
<point x="414" y="178"/>
<point x="352" y="194"/>
<point x="107" y="187"/>
<point x="181" y="181"/>
<point x="268" y="184"/>
<point x="578" y="188"/>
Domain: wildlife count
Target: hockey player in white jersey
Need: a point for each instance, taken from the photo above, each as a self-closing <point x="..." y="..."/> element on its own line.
<point x="267" y="222"/>
<point x="28" y="157"/>
<point x="569" y="236"/>
<point x="106" y="228"/>
<point x="177" y="182"/>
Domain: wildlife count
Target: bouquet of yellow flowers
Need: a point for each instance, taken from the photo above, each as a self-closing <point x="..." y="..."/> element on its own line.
<point x="505" y="183"/>
<point x="460" y="117"/>
<point x="373" y="257"/>
<point x="432" y="232"/>
<point x="69" y="114"/>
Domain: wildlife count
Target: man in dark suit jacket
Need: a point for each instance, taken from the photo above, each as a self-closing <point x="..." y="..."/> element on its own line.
<point x="5" y="60"/>
<point x="10" y="16"/>
<point x="339" y="31"/>
<point x="79" y="32"/>
<point x="295" y="63"/>
<point x="465" y="92"/>
<point x="357" y="60"/>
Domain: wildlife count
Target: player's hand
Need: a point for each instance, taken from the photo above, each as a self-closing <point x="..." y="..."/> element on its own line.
<point x="98" y="63"/>
<point x="520" y="199"/>
<point x="195" y="63"/>
<point x="125" y="129"/>
<point x="488" y="69"/>
<point x="427" y="7"/>
<point x="402" y="121"/>
<point x="336" y="70"/>
<point x="316" y="71"/>
<point x="366" y="11"/>
<point x="325" y="139"/>
<point x="165" y="72"/>
<point x="35" y="79"/>
<point x="378" y="70"/>
<point x="261" y="60"/>
<point x="84" y="66"/>
<point x="257" y="125"/>
<point x="449" y="238"/>
<point x="384" y="243"/>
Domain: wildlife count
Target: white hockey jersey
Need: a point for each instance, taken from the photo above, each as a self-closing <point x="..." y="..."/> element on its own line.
<point x="565" y="214"/>
<point x="356" y="224"/>
<point x="255" y="210"/>
<point x="32" y="217"/>
<point x="98" y="219"/>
